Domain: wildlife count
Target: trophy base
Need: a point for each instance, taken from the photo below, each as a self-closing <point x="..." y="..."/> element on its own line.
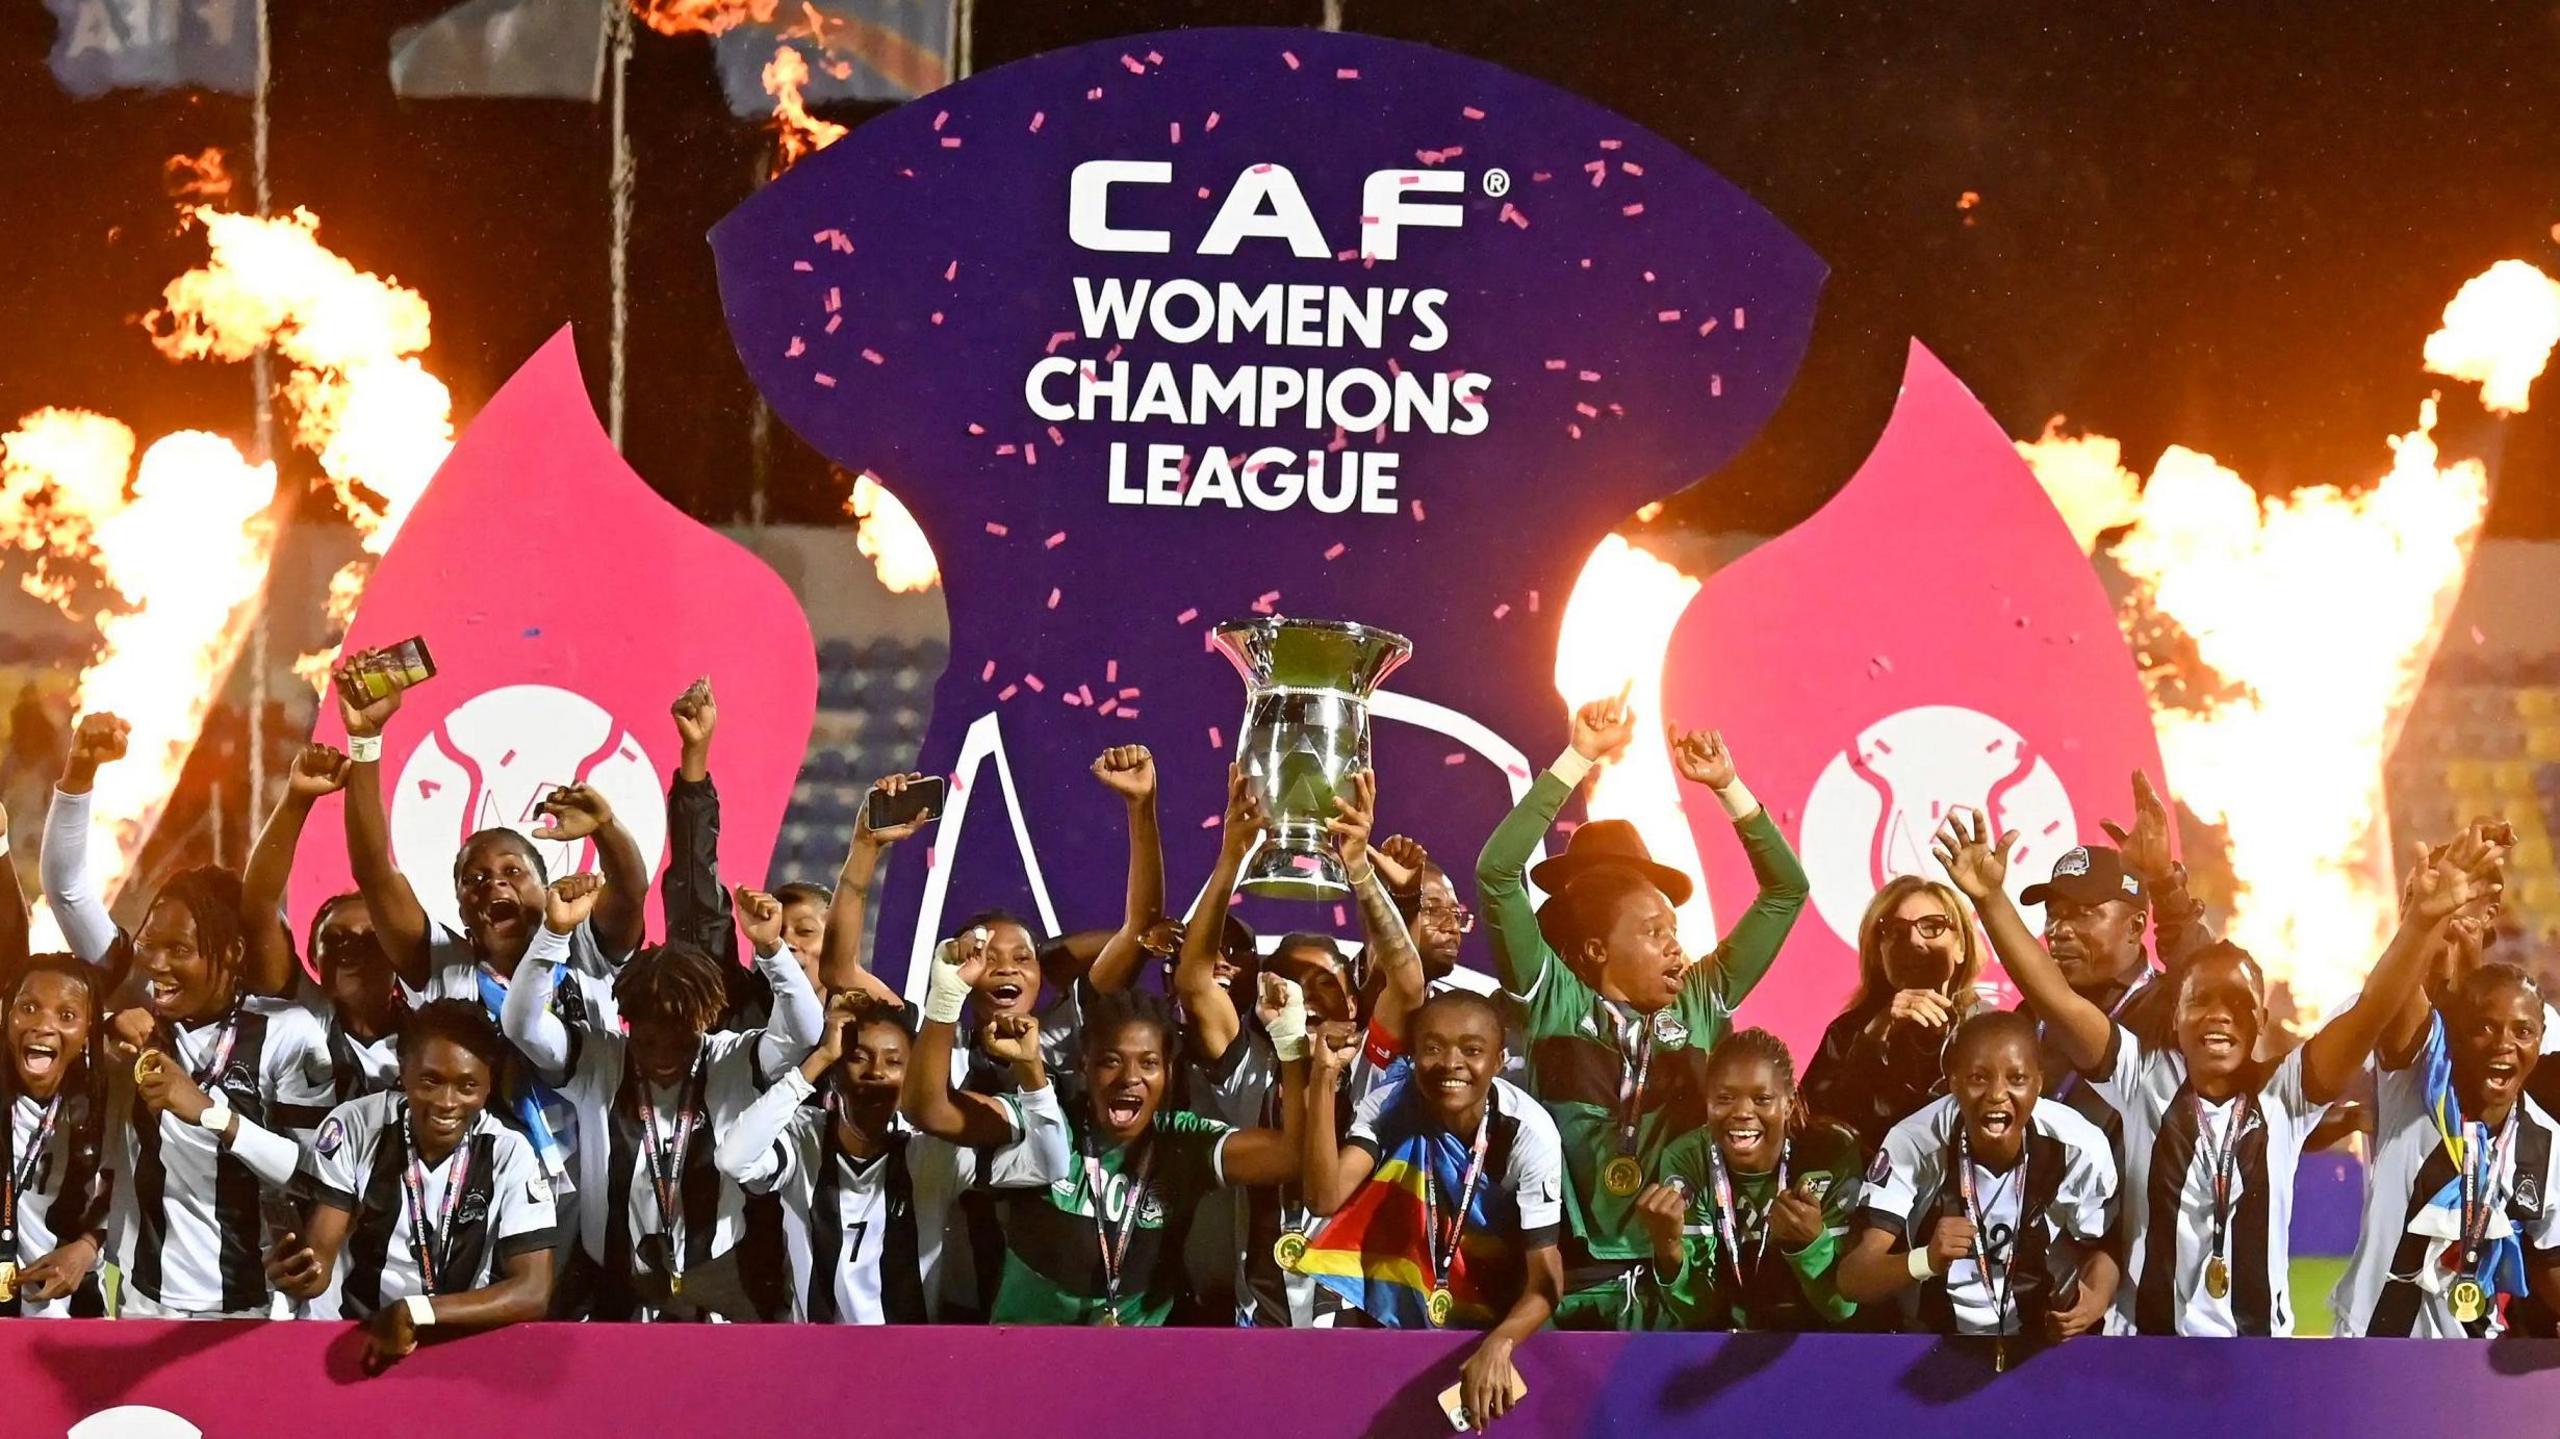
<point x="1293" y="873"/>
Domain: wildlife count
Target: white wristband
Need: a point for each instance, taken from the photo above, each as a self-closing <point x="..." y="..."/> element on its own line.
<point x="1921" y="1268"/>
<point x="945" y="992"/>
<point x="364" y="748"/>
<point x="1571" y="767"/>
<point x="422" y="1310"/>
<point x="1737" y="800"/>
<point x="1288" y="1028"/>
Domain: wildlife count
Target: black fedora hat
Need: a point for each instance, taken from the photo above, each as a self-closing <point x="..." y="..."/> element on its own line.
<point x="1608" y="843"/>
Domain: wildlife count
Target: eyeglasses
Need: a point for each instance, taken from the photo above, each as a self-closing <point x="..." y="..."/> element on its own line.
<point x="1457" y="914"/>
<point x="1927" y="926"/>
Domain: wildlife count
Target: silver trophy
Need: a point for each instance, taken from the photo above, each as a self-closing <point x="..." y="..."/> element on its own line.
<point x="1306" y="732"/>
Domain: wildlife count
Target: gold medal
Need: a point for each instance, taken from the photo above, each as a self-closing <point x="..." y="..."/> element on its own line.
<point x="147" y="1064"/>
<point x="2217" y="1277"/>
<point x="675" y="1285"/>
<point x="1110" y="1319"/>
<point x="2469" y="1302"/>
<point x="1291" y="1248"/>
<point x="1622" y="1176"/>
<point x="8" y="1281"/>
<point x="1439" y="1307"/>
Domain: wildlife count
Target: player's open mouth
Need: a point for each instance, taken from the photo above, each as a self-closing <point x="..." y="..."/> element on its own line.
<point x="1122" y="1110"/>
<point x="1997" y="1121"/>
<point x="38" y="1057"/>
<point x="2220" y="1043"/>
<point x="440" y="1126"/>
<point x="160" y="993"/>
<point x="1006" y="996"/>
<point x="501" y="913"/>
<point x="1745" y="1134"/>
<point x="2501" y="1071"/>
<point x="1453" y="1083"/>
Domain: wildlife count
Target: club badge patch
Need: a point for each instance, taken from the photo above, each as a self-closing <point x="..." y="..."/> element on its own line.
<point x="332" y="1135"/>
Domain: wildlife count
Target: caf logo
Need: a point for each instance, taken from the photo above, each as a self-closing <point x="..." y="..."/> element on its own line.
<point x="1874" y="806"/>
<point x="493" y="759"/>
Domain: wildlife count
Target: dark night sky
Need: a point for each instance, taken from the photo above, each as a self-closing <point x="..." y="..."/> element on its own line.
<point x="2227" y="226"/>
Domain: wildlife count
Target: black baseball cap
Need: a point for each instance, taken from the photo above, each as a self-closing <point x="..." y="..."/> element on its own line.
<point x="2088" y="874"/>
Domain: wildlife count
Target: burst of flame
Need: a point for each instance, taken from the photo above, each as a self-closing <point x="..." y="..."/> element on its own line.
<point x="2086" y="479"/>
<point x="797" y="133"/>
<point x="899" y="553"/>
<point x="201" y="176"/>
<point x="361" y="399"/>
<point x="2498" y="332"/>
<point x="1615" y="630"/>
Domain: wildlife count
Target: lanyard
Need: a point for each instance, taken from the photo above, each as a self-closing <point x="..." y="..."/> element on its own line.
<point x="666" y="1177"/>
<point x="1728" y="1214"/>
<point x="2223" y="1160"/>
<point x="1133" y="1200"/>
<point x="433" y="1256"/>
<point x="1631" y="1077"/>
<point x="2479" y="1183"/>
<point x="222" y="1046"/>
<point x="21" y="1175"/>
<point x="1444" y="1250"/>
<point x="2005" y="1287"/>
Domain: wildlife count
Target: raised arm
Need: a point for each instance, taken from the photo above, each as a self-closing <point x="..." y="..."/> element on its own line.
<point x="1747" y="949"/>
<point x="1601" y="730"/>
<point x="1210" y="1012"/>
<point x="2439" y="886"/>
<point x="1270" y="1156"/>
<point x="1393" y="960"/>
<point x="840" y="964"/>
<point x="798" y="1018"/>
<point x="697" y="908"/>
<point x="1129" y="771"/>
<point x="527" y="1017"/>
<point x="1330" y="1172"/>
<point x="13" y="912"/>
<point x="399" y="922"/>
<point x="928" y="1098"/>
<point x="1978" y="863"/>
<point x="755" y="1152"/>
<point x="580" y="811"/>
<point x="70" y="893"/>
<point x="267" y="938"/>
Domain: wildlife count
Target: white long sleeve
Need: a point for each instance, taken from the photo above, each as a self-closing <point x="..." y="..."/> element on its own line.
<point x="798" y="1020"/>
<point x="753" y="1153"/>
<point x="270" y="1156"/>
<point x="526" y="1017"/>
<point x="1045" y="1140"/>
<point x="68" y="890"/>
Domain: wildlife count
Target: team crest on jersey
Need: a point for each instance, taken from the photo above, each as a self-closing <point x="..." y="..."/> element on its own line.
<point x="333" y="1133"/>
<point x="1668" y="1030"/>
<point x="537" y="1191"/>
<point x="1880" y="1168"/>
<point x="1151" y="1212"/>
<point x="2528" y="1199"/>
<point x="474" y="1209"/>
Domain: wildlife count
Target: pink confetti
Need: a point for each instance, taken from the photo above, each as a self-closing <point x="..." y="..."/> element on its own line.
<point x="798" y="348"/>
<point x="998" y="529"/>
<point x="1539" y="177"/>
<point x="1418" y="516"/>
<point x="803" y="266"/>
<point x="1334" y="551"/>
<point x="1634" y="209"/>
<point x="1111" y="354"/>
<point x="1708" y="328"/>
<point x="1471" y="112"/>
<point x="873" y="356"/>
<point x="1007" y="448"/>
<point x="1111" y="673"/>
<point x="951" y="271"/>
<point x="1502" y="611"/>
<point x="1533" y="602"/>
<point x="1516" y="770"/>
<point x="1598" y="173"/>
<point x="1631" y="167"/>
<point x="1346" y="73"/>
<point x="1008" y="692"/>
<point x="1054" y="541"/>
<point x="1030" y="453"/>
<point x="835" y="298"/>
<point x="937" y="317"/>
<point x="1216" y="740"/>
<point x="1648" y="277"/>
<point x="1186" y="617"/>
<point x="940" y="116"/>
<point x="823" y="378"/>
<point x="977" y="429"/>
<point x="1094" y="94"/>
<point x="1586" y="411"/>
<point x="1057" y="338"/>
<point x="1210" y="823"/>
<point x="1611" y="144"/>
<point x="1204" y="192"/>
<point x="1057" y="437"/>
<point x="1456" y="758"/>
<point x="832" y="322"/>
<point x="1211" y="123"/>
<point x="1174" y="128"/>
<point x="1291" y="58"/>
<point x="1036" y="686"/>
<point x="1555" y="364"/>
<point x="1038" y="119"/>
<point x="1265" y="601"/>
<point x="1739" y="317"/>
<point x="987" y="673"/>
<point x="1715" y="384"/>
<point x="1588" y="377"/>
<point x="1573" y="431"/>
<point x="1128" y="692"/>
<point x="1666" y="316"/>
<point x="1154" y="59"/>
<point x="2478" y="638"/>
<point x="1130" y="64"/>
<point x="1106" y="707"/>
<point x="1511" y="216"/>
<point x="1586" y="262"/>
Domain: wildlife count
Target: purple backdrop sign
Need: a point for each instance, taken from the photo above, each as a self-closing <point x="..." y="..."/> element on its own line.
<point x="1165" y="331"/>
<point x="224" y="1380"/>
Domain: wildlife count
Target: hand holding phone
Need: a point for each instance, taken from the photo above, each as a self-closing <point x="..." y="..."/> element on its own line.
<point x="901" y="804"/>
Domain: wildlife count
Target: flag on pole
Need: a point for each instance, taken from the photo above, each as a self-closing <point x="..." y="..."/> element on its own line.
<point x="856" y="49"/>
<point x="524" y="49"/>
<point x="103" y="45"/>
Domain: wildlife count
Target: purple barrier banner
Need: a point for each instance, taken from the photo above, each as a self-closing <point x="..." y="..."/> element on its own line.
<point x="1156" y="333"/>
<point x="224" y="1380"/>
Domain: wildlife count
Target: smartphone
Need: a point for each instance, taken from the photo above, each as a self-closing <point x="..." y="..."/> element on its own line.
<point x="887" y="811"/>
<point x="1459" y="1419"/>
<point x="379" y="674"/>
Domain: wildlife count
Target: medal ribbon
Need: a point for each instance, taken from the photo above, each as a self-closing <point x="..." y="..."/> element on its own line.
<point x="1728" y="1214"/>
<point x="1631" y="1077"/>
<point x="2479" y="1184"/>
<point x="21" y="1175"/>
<point x="1445" y="1260"/>
<point x="2224" y="1161"/>
<point x="2006" y="1288"/>
<point x="432" y="1255"/>
<point x="667" y="1181"/>
<point x="223" y="1044"/>
<point x="1115" y="1246"/>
